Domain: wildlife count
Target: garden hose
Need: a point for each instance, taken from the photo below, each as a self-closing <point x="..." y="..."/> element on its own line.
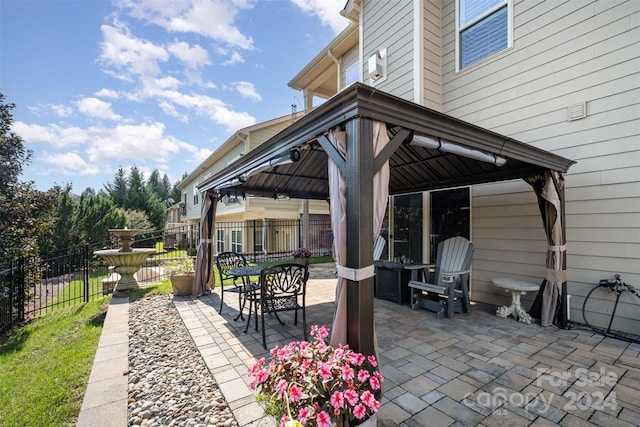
<point x="618" y="286"/>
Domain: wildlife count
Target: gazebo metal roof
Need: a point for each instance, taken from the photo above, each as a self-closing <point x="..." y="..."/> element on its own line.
<point x="268" y="172"/>
<point x="413" y="168"/>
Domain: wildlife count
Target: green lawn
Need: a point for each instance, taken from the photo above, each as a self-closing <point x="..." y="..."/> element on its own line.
<point x="45" y="366"/>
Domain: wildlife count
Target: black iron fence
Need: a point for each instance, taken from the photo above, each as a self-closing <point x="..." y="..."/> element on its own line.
<point x="32" y="285"/>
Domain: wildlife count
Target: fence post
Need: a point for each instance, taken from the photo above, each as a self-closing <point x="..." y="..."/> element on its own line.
<point x="21" y="288"/>
<point x="86" y="272"/>
<point x="253" y="239"/>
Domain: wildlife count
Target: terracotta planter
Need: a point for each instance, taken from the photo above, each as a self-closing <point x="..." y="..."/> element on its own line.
<point x="182" y="284"/>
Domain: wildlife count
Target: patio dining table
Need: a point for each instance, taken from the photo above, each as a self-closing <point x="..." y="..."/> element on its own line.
<point x="245" y="272"/>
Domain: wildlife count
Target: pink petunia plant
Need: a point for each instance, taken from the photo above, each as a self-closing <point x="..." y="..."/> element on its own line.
<point x="311" y="383"/>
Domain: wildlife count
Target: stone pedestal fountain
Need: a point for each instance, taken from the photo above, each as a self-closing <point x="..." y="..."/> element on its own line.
<point x="126" y="260"/>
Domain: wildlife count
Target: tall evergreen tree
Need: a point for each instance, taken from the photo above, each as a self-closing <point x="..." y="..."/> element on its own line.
<point x="64" y="234"/>
<point x="159" y="187"/>
<point x="166" y="187"/>
<point x="137" y="193"/>
<point x="118" y="190"/>
<point x="176" y="194"/>
<point x="96" y="214"/>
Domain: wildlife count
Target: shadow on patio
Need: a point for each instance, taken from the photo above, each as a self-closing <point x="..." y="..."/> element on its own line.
<point x="468" y="370"/>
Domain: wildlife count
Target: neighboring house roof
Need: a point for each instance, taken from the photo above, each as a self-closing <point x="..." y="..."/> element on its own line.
<point x="412" y="169"/>
<point x="230" y="144"/>
<point x="320" y="75"/>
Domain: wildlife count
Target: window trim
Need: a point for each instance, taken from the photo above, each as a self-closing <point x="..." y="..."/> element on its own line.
<point x="350" y="69"/>
<point x="489" y="12"/>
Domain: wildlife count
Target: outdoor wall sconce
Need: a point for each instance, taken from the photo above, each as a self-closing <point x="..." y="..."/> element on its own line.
<point x="377" y="65"/>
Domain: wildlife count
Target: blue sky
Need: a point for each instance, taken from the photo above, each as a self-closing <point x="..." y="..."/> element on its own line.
<point x="159" y="84"/>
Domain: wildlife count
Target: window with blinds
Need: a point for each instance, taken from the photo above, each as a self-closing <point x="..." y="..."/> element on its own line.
<point x="484" y="28"/>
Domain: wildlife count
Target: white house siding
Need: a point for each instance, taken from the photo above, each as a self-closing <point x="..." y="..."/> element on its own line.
<point x="432" y="60"/>
<point x="564" y="53"/>
<point x="260" y="135"/>
<point x="389" y="24"/>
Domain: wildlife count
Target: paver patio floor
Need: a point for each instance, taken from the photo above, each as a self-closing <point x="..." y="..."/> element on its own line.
<point x="469" y="370"/>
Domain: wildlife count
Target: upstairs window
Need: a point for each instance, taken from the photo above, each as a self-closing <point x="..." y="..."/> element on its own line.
<point x="353" y="74"/>
<point x="484" y="28"/>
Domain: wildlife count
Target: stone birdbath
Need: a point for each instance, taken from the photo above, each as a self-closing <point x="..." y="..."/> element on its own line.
<point x="126" y="260"/>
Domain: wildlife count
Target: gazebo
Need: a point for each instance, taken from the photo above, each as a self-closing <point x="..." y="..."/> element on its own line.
<point x="361" y="146"/>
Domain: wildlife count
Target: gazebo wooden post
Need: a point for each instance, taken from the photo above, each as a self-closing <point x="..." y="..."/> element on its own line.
<point x="359" y="180"/>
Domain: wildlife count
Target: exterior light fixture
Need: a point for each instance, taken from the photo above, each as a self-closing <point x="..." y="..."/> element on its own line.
<point x="377" y="65"/>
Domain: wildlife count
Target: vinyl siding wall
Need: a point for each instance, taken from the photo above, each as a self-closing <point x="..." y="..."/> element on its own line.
<point x="389" y="24"/>
<point x="432" y="61"/>
<point x="564" y="53"/>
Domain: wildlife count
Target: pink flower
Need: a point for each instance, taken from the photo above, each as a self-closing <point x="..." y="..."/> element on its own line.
<point x="325" y="371"/>
<point x="363" y="375"/>
<point x="372" y="361"/>
<point x="347" y="373"/>
<point x="281" y="387"/>
<point x="295" y="393"/>
<point x="367" y="398"/>
<point x="303" y="415"/>
<point x="351" y="396"/>
<point x="337" y="399"/>
<point x="323" y="419"/>
<point x="304" y="366"/>
<point x="374" y="383"/>
<point x="323" y="332"/>
<point x="314" y="381"/>
<point x="357" y="358"/>
<point x="359" y="411"/>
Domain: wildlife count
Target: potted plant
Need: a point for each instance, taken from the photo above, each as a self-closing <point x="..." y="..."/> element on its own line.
<point x="182" y="275"/>
<point x="302" y="255"/>
<point x="314" y="384"/>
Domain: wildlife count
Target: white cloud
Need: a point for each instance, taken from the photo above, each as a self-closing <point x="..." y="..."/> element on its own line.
<point x="327" y="10"/>
<point x="107" y="93"/>
<point x="128" y="55"/>
<point x="214" y="19"/>
<point x="32" y="133"/>
<point x="61" y="110"/>
<point x="70" y="163"/>
<point x="192" y="56"/>
<point x="248" y="90"/>
<point x="170" y="110"/>
<point x="55" y="135"/>
<point x="212" y="108"/>
<point x="234" y="59"/>
<point x="93" y="107"/>
<point x="132" y="142"/>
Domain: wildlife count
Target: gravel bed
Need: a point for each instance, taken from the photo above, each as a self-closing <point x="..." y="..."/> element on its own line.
<point x="169" y="383"/>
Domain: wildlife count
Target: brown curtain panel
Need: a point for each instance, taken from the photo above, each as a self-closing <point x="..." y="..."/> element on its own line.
<point x="548" y="303"/>
<point x="205" y="280"/>
<point x="338" y="203"/>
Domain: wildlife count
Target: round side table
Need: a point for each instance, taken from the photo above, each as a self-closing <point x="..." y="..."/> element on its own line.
<point x="516" y="288"/>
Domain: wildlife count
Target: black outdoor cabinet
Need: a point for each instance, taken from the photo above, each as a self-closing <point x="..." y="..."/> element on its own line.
<point x="392" y="282"/>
